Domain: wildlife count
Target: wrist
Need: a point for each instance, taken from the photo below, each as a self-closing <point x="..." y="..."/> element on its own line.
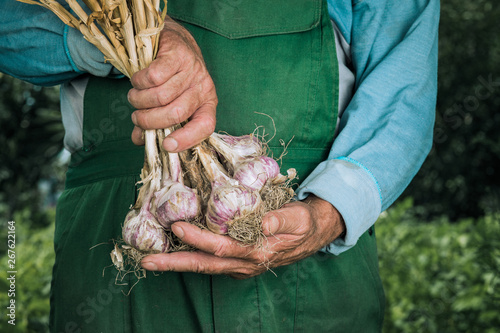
<point x="327" y="217"/>
<point x="173" y="27"/>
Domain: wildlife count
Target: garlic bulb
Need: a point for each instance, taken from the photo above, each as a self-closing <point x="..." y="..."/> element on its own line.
<point x="256" y="172"/>
<point x="176" y="202"/>
<point x="142" y="231"/>
<point x="228" y="201"/>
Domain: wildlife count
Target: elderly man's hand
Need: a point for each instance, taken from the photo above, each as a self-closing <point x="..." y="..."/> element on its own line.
<point x="174" y="88"/>
<point x="294" y="232"/>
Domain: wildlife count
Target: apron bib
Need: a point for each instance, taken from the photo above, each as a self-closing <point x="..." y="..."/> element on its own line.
<point x="266" y="57"/>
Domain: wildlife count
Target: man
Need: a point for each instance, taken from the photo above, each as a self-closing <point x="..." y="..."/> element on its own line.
<point x="374" y="64"/>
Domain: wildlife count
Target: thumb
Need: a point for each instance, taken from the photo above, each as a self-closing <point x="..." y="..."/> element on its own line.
<point x="283" y="221"/>
<point x="271" y="224"/>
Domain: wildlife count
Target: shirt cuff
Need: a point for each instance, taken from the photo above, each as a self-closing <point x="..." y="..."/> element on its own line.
<point x="352" y="190"/>
<point x="83" y="56"/>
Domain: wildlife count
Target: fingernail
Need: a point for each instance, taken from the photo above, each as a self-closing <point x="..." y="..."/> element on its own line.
<point x="134" y="118"/>
<point x="178" y="231"/>
<point x="273" y="224"/>
<point x="170" y="144"/>
<point x="150" y="266"/>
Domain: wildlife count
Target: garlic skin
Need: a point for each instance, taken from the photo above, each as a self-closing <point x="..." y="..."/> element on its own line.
<point x="229" y="200"/>
<point x="255" y="173"/>
<point x="142" y="231"/>
<point x="236" y="149"/>
<point x="176" y="202"/>
<point x="280" y="179"/>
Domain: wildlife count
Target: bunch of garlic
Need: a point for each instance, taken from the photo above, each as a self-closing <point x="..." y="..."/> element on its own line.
<point x="163" y="199"/>
<point x="236" y="170"/>
<point x="238" y="182"/>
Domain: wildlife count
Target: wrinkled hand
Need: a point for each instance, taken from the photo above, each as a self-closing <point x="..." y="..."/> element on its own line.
<point x="296" y="231"/>
<point x="174" y="88"/>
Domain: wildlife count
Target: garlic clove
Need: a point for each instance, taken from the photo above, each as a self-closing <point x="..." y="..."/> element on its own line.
<point x="117" y="257"/>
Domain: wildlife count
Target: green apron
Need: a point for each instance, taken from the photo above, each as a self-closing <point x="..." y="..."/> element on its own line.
<point x="266" y="57"/>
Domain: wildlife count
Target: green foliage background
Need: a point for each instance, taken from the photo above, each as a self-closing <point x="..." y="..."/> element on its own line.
<point x="438" y="245"/>
<point x="439" y="277"/>
<point x="34" y="259"/>
<point x="30" y="138"/>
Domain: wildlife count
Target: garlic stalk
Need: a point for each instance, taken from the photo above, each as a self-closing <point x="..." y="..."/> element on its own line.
<point x="151" y="171"/>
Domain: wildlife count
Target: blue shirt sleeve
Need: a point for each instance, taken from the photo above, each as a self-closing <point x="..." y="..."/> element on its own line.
<point x="37" y="47"/>
<point x="386" y="130"/>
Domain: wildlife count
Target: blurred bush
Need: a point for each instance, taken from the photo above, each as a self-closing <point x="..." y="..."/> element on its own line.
<point x="31" y="138"/>
<point x="34" y="260"/>
<point x="439" y="277"/>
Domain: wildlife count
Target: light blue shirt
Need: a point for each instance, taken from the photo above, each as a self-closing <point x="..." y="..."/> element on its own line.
<point x="385" y="132"/>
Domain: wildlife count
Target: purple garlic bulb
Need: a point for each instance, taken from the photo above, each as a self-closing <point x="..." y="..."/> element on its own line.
<point x="255" y="172"/>
<point x="142" y="231"/>
<point x="227" y="202"/>
<point x="235" y="149"/>
<point x="176" y="202"/>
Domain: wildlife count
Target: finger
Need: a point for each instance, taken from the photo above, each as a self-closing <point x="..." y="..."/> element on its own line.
<point x="198" y="262"/>
<point x="157" y="73"/>
<point x="292" y="219"/>
<point x="174" y="113"/>
<point x="138" y="136"/>
<point x="205" y="240"/>
<point x="161" y="95"/>
<point x="197" y="129"/>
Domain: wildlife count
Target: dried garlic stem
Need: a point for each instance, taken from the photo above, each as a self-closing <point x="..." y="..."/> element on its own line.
<point x="153" y="159"/>
<point x="95" y="32"/>
<point x="214" y="170"/>
<point x="127" y="30"/>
